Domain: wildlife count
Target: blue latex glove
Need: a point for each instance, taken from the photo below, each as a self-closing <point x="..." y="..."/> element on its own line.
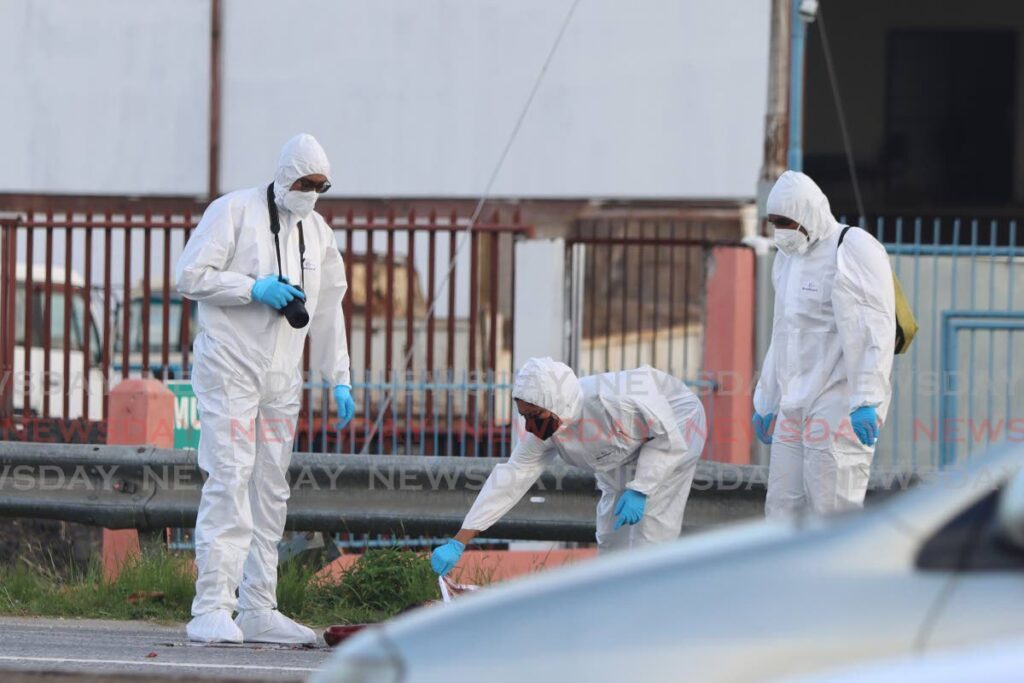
<point x="865" y="424"/>
<point x="762" y="426"/>
<point x="630" y="509"/>
<point x="346" y="406"/>
<point x="274" y="293"/>
<point x="444" y="559"/>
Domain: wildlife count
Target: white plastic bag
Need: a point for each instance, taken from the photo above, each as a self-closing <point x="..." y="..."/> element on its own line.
<point x="451" y="590"/>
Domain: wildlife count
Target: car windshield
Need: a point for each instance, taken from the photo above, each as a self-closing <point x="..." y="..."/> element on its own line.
<point x="156" y="325"/>
<point x="55" y="329"/>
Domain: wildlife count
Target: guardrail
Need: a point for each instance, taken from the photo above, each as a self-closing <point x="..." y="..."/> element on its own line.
<point x="143" y="487"/>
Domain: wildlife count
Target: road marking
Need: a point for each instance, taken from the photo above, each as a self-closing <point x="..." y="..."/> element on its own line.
<point x="68" y="660"/>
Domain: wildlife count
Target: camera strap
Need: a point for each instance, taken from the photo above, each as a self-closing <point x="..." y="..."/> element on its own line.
<point x="275" y="228"/>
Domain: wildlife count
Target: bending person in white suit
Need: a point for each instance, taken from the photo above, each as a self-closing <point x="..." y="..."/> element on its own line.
<point x="640" y="431"/>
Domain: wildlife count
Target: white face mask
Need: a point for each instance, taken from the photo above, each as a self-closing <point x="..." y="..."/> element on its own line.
<point x="791" y="242"/>
<point x="300" y="203"/>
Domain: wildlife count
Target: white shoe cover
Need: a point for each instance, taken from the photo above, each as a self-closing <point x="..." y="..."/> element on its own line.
<point x="214" y="627"/>
<point x="270" y="626"/>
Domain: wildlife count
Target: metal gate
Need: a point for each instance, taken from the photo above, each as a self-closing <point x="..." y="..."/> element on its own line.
<point x="86" y="300"/>
<point x="982" y="382"/>
<point x="637" y="292"/>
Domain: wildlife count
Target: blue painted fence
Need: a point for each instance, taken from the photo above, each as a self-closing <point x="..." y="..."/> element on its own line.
<point x="959" y="388"/>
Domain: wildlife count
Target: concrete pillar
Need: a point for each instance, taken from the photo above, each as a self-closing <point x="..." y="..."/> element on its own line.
<point x="764" y="253"/>
<point x="539" y="301"/>
<point x="141" y="414"/>
<point x="540" y="322"/>
<point x="729" y="353"/>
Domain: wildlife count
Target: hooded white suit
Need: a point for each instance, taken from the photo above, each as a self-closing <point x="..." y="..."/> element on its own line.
<point x="247" y="374"/>
<point x="831" y="352"/>
<point x="640" y="429"/>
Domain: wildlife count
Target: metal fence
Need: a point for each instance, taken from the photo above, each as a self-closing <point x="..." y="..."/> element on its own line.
<point x="637" y="289"/>
<point x="86" y="300"/>
<point x="959" y="387"/>
<point x="445" y="412"/>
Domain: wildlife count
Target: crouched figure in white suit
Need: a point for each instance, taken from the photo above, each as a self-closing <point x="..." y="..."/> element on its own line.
<point x="641" y="432"/>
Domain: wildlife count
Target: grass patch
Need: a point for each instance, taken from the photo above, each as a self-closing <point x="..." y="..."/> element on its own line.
<point x="160" y="586"/>
<point x="37" y="591"/>
<point x="381" y="584"/>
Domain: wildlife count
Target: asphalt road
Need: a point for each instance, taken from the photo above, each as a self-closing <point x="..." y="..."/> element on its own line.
<point x="87" y="650"/>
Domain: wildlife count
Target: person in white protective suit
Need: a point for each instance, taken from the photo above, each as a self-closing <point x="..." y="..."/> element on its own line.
<point x="825" y="386"/>
<point x="247" y="378"/>
<point x="640" y="431"/>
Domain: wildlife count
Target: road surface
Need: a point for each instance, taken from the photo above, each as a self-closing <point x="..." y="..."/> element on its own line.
<point x="94" y="650"/>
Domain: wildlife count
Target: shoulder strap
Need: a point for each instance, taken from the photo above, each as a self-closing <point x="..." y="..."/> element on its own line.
<point x="843" y="235"/>
<point x="275" y="228"/>
<point x="275" y="225"/>
<point x="302" y="258"/>
<point x="275" y="222"/>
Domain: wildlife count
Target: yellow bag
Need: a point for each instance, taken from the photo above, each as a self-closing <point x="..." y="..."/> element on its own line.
<point x="906" y="323"/>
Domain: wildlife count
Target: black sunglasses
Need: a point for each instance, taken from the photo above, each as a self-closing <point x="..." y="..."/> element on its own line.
<point x="783" y="222"/>
<point x="307" y="185"/>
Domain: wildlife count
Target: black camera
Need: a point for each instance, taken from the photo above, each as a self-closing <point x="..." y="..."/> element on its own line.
<point x="295" y="310"/>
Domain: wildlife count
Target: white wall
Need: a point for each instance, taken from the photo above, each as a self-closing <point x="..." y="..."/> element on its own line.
<point x="647" y="98"/>
<point x="104" y="96"/>
<point x="410" y="98"/>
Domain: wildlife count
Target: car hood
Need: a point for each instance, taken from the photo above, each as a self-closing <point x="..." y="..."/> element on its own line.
<point x="761" y="588"/>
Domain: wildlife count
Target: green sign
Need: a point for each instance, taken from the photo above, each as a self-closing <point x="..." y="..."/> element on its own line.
<point x="186" y="414"/>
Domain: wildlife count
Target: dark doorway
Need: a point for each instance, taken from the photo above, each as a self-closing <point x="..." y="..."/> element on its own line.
<point x="949" y="117"/>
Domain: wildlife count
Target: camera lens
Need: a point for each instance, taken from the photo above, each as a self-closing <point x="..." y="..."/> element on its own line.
<point x="295" y="312"/>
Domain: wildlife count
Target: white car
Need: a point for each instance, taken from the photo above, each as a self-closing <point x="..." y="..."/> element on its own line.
<point x="934" y="567"/>
<point x="1002" y="662"/>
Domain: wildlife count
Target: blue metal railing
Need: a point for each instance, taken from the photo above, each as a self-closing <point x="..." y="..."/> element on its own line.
<point x="960" y="277"/>
<point x="442" y="413"/>
<point x="446" y="412"/>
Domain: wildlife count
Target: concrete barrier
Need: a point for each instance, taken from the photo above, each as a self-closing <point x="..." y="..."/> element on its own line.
<point x="141" y="414"/>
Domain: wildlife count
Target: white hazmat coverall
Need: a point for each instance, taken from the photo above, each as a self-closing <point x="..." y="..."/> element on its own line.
<point x="640" y="429"/>
<point x="247" y="378"/>
<point x="831" y="352"/>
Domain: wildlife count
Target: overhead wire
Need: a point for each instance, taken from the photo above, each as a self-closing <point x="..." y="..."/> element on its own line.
<point x="466" y="232"/>
<point x="844" y="131"/>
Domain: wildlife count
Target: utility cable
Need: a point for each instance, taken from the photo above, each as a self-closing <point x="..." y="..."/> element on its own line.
<point x="834" y="82"/>
<point x="464" y="235"/>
